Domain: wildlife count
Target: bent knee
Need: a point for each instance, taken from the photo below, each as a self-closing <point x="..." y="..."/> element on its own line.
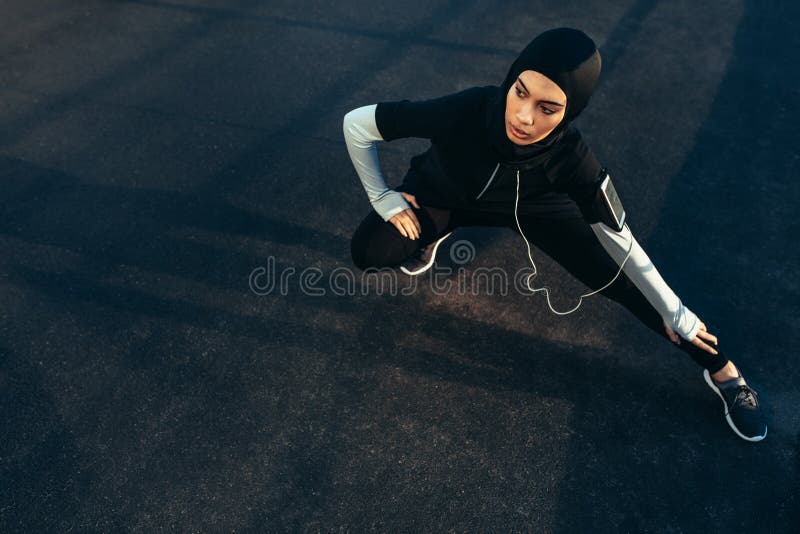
<point x="358" y="253"/>
<point x="376" y="257"/>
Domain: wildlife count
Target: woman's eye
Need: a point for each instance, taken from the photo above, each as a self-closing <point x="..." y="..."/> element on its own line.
<point x="547" y="111"/>
<point x="519" y="92"/>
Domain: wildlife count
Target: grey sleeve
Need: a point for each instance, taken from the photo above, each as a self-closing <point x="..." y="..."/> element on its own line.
<point x="647" y="279"/>
<point x="361" y="134"/>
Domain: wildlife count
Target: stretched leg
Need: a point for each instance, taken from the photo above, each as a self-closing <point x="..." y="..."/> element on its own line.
<point x="572" y="244"/>
<point x="378" y="243"/>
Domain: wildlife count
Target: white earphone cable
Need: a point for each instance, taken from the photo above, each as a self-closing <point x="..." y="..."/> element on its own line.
<point x="547" y="289"/>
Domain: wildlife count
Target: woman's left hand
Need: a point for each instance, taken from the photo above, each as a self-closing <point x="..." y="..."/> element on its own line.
<point x="703" y="336"/>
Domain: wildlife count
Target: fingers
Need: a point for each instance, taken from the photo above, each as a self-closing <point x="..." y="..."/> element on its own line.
<point x="702" y="337"/>
<point x="415" y="221"/>
<point x="411" y="229"/>
<point x="672" y="335"/>
<point x="398" y="222"/>
<point x="398" y="226"/>
<point x="699" y="342"/>
<point x="407" y="224"/>
<point x="708" y="337"/>
<point x="405" y="227"/>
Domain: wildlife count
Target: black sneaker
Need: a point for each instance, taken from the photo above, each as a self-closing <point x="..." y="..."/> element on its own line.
<point x="742" y="410"/>
<point x="423" y="259"/>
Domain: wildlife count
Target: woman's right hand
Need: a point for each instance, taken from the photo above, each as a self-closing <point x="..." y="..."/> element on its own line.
<point x="704" y="339"/>
<point x="406" y="221"/>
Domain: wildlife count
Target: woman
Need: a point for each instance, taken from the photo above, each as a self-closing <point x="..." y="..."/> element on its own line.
<point x="510" y="156"/>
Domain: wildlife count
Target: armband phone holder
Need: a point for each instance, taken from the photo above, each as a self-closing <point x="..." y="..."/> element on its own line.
<point x="607" y="203"/>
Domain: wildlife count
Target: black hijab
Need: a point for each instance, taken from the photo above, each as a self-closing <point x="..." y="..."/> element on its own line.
<point x="570" y="59"/>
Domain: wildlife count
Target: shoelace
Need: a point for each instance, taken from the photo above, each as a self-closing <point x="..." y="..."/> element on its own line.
<point x="744" y="395"/>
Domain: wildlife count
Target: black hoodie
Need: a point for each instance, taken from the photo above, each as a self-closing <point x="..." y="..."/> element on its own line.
<point x="472" y="164"/>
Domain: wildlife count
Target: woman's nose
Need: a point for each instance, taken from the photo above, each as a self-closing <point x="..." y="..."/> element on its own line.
<point x="525" y="117"/>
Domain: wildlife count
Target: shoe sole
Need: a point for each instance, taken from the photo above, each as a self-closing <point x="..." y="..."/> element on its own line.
<point x="710" y="383"/>
<point x="432" y="260"/>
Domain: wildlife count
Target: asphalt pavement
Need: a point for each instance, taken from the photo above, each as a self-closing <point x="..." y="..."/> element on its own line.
<point x="185" y="344"/>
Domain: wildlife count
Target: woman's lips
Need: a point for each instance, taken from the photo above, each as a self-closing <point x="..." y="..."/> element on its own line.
<point x="519" y="133"/>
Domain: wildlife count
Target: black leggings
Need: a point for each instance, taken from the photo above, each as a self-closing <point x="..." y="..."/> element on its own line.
<point x="571" y="242"/>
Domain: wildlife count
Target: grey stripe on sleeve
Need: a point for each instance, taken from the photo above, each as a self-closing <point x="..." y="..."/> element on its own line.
<point x="361" y="134"/>
<point x="647" y="279"/>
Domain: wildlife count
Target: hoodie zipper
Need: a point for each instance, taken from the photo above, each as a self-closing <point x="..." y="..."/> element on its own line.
<point x="488" y="183"/>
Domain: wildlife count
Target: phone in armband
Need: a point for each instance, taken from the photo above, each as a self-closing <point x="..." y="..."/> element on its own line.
<point x="609" y="207"/>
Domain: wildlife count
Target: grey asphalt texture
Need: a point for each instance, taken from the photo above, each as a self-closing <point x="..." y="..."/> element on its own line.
<point x="160" y="160"/>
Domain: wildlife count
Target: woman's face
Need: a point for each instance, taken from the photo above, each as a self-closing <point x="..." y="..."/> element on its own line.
<point x="535" y="105"/>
